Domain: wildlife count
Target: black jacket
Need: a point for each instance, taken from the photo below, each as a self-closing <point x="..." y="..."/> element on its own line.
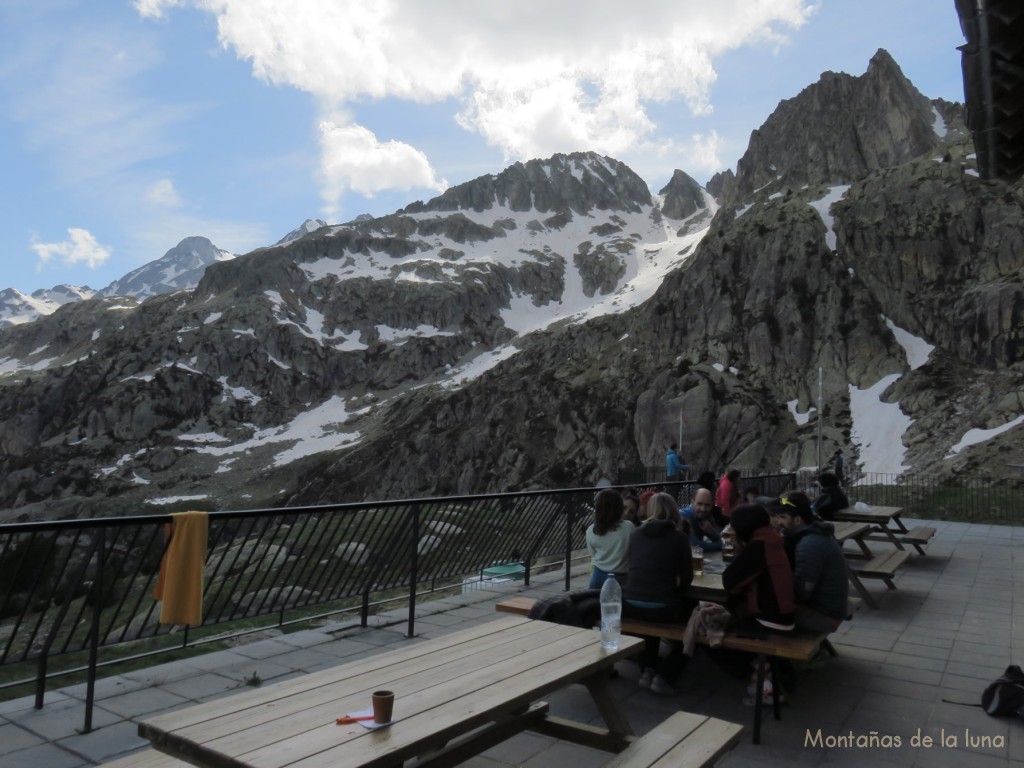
<point x="659" y="563"/>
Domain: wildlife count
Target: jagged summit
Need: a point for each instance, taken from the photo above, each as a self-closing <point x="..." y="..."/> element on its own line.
<point x="178" y="269"/>
<point x="307" y="227"/>
<point x="682" y="196"/>
<point x="578" y="182"/>
<point x="835" y="131"/>
<point x="16" y="308"/>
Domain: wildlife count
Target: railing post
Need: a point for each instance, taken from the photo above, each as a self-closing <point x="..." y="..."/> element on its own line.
<point x="570" y="515"/>
<point x="94" y="629"/>
<point x="414" y="575"/>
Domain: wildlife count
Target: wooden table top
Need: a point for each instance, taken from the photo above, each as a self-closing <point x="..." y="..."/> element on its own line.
<point x="876" y="515"/>
<point x="846" y="530"/>
<point x="443" y="688"/>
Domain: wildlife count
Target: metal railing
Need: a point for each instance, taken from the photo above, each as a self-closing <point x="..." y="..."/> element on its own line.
<point x="767" y="483"/>
<point x="75" y="587"/>
<point x="930" y="497"/>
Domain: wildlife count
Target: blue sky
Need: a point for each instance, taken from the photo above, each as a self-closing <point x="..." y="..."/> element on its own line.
<point x="127" y="125"/>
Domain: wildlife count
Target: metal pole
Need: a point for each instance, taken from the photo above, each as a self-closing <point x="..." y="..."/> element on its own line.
<point x="414" y="576"/>
<point x="821" y="376"/>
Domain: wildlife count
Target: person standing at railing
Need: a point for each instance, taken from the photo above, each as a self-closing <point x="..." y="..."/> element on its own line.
<point x="608" y="539"/>
<point x="837" y="465"/>
<point x="675" y="469"/>
<point x="728" y="494"/>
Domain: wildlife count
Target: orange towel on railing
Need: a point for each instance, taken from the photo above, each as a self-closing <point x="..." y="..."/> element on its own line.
<point x="180" y="584"/>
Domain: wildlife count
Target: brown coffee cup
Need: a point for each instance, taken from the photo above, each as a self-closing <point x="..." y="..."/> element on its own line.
<point x="383" y="705"/>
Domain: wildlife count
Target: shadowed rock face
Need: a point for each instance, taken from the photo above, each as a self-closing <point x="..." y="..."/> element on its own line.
<point x="112" y="403"/>
<point x="683" y="196"/>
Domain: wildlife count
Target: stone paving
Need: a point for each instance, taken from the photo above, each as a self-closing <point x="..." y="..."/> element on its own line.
<point x="914" y="668"/>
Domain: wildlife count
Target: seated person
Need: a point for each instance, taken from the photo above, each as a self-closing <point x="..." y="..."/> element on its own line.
<point x="753" y="495"/>
<point x="704" y="531"/>
<point x="645" y="498"/>
<point x="608" y="538"/>
<point x="820" y="572"/>
<point x="660" y="568"/>
<point x="631" y="508"/>
<point x="760" y="574"/>
<point x="831" y="499"/>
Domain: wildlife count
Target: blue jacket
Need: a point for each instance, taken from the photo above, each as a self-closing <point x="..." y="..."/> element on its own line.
<point x="674" y="467"/>
<point x="698" y="535"/>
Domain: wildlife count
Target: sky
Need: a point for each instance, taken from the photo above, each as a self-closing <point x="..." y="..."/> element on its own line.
<point x="128" y="125"/>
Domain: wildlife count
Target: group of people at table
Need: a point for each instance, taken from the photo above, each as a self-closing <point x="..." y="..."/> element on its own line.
<point x="787" y="571"/>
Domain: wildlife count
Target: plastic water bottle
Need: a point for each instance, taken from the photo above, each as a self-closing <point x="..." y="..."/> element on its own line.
<point x="611" y="613"/>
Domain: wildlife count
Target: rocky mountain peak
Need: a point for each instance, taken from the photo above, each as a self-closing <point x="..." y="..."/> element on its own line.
<point x="836" y="131"/>
<point x="578" y="182"/>
<point x="307" y="227"/>
<point x="682" y="196"/>
<point x="178" y="269"/>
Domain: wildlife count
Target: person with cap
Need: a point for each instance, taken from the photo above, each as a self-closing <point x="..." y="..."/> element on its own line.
<point x="820" y="577"/>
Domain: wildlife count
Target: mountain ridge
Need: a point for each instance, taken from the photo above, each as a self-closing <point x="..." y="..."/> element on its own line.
<point x="447" y="349"/>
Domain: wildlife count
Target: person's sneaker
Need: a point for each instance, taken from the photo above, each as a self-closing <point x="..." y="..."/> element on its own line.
<point x="645" y="678"/>
<point x="661" y="686"/>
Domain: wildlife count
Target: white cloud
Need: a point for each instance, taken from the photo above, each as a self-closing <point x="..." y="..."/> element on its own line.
<point x="163" y="194"/>
<point x="532" y="77"/>
<point x="154" y="9"/>
<point x="81" y="247"/>
<point x="703" y="152"/>
<point x="353" y="158"/>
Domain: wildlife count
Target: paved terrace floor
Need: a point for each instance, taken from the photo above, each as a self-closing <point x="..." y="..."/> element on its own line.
<point x="914" y="666"/>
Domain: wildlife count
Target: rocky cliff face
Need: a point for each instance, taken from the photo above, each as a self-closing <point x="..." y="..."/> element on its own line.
<point x="552" y="324"/>
<point x="838" y="129"/>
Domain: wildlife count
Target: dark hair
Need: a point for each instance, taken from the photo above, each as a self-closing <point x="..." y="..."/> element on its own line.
<point x="828" y="480"/>
<point x="733" y="474"/>
<point x="607" y="511"/>
<point x="752" y="489"/>
<point x="797" y="503"/>
<point x="747" y="518"/>
<point x="636" y="500"/>
<point x="706" y="479"/>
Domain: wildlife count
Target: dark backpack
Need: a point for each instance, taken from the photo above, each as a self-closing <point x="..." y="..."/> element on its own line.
<point x="1005" y="696"/>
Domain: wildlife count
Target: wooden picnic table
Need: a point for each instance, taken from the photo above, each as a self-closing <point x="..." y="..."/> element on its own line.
<point x="886" y="522"/>
<point x="851" y="531"/>
<point x="455" y="696"/>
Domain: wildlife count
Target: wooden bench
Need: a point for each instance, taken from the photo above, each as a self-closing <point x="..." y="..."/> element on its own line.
<point x="918" y="537"/>
<point x="879" y="567"/>
<point x="799" y="646"/>
<point x="684" y="740"/>
<point x="146" y="758"/>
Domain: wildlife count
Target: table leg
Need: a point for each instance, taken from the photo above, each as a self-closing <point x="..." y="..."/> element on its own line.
<point x="861" y="589"/>
<point x="611" y="713"/>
